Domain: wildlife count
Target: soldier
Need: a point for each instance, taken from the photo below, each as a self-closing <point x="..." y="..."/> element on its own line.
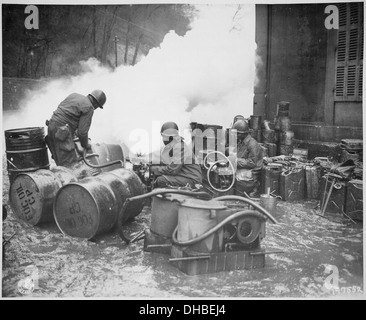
<point x="247" y="155"/>
<point x="72" y="117"/>
<point x="177" y="164"/>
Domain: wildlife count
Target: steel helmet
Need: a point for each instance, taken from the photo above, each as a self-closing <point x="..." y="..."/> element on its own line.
<point x="241" y="126"/>
<point x="169" y="129"/>
<point x="100" y="97"/>
<point x="238" y="117"/>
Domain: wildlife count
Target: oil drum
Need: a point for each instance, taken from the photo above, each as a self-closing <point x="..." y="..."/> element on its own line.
<point x="91" y="206"/>
<point x="282" y="123"/>
<point x="195" y="218"/>
<point x="26" y="150"/>
<point x="106" y="153"/>
<point x="257" y="135"/>
<point x="31" y="194"/>
<point x="255" y="122"/>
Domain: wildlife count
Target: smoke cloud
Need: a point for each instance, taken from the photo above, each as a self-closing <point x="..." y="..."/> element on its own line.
<point x="206" y="76"/>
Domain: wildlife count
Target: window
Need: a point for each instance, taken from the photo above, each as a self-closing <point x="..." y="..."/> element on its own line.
<point x="349" y="63"/>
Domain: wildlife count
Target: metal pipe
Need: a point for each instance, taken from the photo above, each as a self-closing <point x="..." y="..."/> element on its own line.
<point x="189" y="258"/>
<point x="265" y="252"/>
<point x="252" y="203"/>
<point x="328" y="197"/>
<point x="101" y="165"/>
<point x="163" y="245"/>
<point x="213" y="230"/>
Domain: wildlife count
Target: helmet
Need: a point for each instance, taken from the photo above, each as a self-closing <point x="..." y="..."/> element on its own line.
<point x="241" y="126"/>
<point x="238" y="117"/>
<point x="169" y="129"/>
<point x="100" y="97"/>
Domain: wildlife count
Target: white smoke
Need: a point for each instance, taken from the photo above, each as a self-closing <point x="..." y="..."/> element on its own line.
<point x="206" y="76"/>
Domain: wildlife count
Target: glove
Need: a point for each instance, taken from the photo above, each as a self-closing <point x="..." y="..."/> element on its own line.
<point x="232" y="158"/>
<point x="154" y="170"/>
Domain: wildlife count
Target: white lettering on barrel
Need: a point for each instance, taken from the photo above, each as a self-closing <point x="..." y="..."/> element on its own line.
<point x="26" y="200"/>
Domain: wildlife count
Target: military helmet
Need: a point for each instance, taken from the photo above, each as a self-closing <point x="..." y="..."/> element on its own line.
<point x="100" y="97"/>
<point x="169" y="129"/>
<point x="241" y="126"/>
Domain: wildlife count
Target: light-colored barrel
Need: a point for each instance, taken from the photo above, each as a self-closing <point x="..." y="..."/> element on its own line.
<point x="31" y="194"/>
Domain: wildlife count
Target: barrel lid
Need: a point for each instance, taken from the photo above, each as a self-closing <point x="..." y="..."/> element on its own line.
<point x="203" y="204"/>
<point x="76" y="211"/>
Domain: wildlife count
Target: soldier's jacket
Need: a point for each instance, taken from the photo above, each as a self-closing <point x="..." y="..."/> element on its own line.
<point x="76" y="111"/>
<point x="249" y="154"/>
<point x="177" y="160"/>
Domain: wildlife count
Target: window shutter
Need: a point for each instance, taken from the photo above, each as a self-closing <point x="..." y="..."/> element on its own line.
<point x="349" y="64"/>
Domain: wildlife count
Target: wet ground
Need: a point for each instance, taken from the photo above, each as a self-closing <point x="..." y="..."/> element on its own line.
<point x="317" y="251"/>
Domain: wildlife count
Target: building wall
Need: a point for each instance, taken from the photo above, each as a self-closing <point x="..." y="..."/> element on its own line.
<point x="297" y="56"/>
<point x="298" y="60"/>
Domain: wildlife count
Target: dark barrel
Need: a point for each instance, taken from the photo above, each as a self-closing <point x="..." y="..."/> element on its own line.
<point x="255" y="122"/>
<point x="26" y="150"/>
<point x="90" y="207"/>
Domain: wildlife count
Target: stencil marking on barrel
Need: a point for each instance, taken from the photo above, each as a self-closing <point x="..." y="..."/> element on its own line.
<point x="26" y="200"/>
<point x="76" y="213"/>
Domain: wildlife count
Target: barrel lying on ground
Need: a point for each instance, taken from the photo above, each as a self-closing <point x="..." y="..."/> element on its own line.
<point x="91" y="206"/>
<point x="31" y="194"/>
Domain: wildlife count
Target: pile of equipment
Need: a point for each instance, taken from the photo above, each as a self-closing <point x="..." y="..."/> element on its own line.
<point x="204" y="235"/>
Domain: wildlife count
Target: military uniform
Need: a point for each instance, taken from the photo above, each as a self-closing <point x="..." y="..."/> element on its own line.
<point x="73" y="114"/>
<point x="249" y="162"/>
<point x="177" y="167"/>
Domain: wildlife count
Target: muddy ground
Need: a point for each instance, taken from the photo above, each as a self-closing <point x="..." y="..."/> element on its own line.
<point x="64" y="267"/>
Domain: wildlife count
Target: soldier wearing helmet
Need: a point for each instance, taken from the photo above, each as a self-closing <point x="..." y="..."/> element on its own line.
<point x="177" y="164"/>
<point x="248" y="157"/>
<point x="72" y="117"/>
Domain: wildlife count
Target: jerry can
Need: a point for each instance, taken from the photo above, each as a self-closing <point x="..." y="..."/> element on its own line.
<point x="354" y="200"/>
<point x="292" y="184"/>
<point x="271" y="178"/>
<point x="313" y="174"/>
<point x="265" y="150"/>
<point x="268" y="136"/>
<point x="272" y="149"/>
<point x="337" y="198"/>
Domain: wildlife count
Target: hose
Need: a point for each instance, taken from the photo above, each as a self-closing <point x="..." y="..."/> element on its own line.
<point x="214" y="229"/>
<point x="250" y="202"/>
<point x="120" y="220"/>
<point x="212" y="166"/>
<point x="101" y="165"/>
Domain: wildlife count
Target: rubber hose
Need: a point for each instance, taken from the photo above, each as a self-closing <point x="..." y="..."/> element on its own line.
<point x="148" y="195"/>
<point x="252" y="203"/>
<point x="97" y="166"/>
<point x="214" y="229"/>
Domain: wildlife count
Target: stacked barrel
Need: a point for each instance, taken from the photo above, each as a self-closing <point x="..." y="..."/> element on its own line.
<point x="269" y="139"/>
<point x="255" y="127"/>
<point x="283" y="130"/>
<point x="26" y="150"/>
